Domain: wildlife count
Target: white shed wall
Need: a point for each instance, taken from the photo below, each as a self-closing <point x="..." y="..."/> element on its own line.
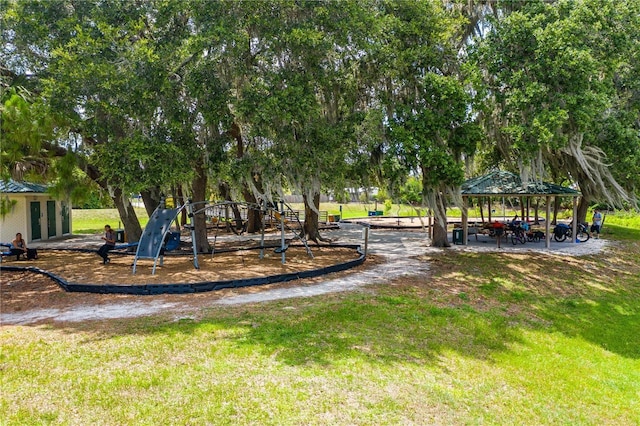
<point x="19" y="219"/>
<point x="14" y="221"/>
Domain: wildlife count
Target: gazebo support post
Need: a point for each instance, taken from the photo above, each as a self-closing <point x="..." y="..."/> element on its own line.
<point x="465" y="221"/>
<point x="547" y="223"/>
<point x="574" y="227"/>
<point x="504" y="184"/>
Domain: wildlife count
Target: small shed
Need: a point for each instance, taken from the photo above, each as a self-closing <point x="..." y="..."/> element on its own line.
<point x="501" y="183"/>
<point x="28" y="208"/>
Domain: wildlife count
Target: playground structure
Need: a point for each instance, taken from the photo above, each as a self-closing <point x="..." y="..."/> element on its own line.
<point x="157" y="236"/>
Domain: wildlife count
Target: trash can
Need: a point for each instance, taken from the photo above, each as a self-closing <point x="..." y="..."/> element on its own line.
<point x="336" y="218"/>
<point x="457" y="236"/>
<point x="119" y="235"/>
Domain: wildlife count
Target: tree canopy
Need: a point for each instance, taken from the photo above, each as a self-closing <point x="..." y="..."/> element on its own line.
<point x="247" y="100"/>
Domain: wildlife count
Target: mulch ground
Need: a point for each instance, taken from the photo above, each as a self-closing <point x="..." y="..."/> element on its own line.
<point x="23" y="291"/>
<point x="87" y="268"/>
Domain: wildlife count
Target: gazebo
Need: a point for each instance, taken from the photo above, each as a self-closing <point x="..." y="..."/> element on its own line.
<point x="505" y="184"/>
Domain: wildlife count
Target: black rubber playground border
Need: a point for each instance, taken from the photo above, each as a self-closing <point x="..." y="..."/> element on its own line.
<point x="184" y="288"/>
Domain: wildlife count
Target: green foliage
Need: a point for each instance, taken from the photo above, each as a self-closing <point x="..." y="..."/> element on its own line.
<point x="315" y="95"/>
<point x="388" y="204"/>
<point x="25" y="126"/>
<point x="70" y="181"/>
<point x="411" y="191"/>
<point x="6" y="206"/>
<point x="92" y="199"/>
<point x="559" y="76"/>
<point x="138" y="163"/>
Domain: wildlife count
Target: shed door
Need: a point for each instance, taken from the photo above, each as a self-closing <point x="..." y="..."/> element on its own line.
<point x="65" y="219"/>
<point x="36" y="232"/>
<point x="51" y="218"/>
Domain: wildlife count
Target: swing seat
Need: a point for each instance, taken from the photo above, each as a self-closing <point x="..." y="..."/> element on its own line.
<point x="125" y="246"/>
<point x="281" y="249"/>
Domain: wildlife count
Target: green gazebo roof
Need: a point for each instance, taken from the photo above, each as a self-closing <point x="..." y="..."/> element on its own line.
<point x="506" y="183"/>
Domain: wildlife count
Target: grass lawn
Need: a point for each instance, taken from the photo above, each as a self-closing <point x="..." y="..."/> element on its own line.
<point x="92" y="221"/>
<point x="492" y="338"/>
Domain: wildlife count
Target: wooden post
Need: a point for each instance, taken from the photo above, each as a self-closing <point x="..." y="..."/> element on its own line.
<point x="263" y="217"/>
<point x="282" y="241"/>
<point x="465" y="221"/>
<point x="489" y="208"/>
<point x="365" y="232"/>
<point x="547" y="223"/>
<point x="574" y="227"/>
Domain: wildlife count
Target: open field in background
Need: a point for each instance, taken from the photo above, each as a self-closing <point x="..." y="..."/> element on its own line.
<point x="93" y="221"/>
<point x="491" y="338"/>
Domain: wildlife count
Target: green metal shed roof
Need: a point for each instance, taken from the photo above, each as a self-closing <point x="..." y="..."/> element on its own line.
<point x="505" y="183"/>
<point x="14" y="187"/>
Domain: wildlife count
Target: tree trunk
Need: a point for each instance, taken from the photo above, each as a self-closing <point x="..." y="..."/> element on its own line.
<point x="311" y="226"/>
<point x="128" y="216"/>
<point x="224" y="190"/>
<point x="199" y="190"/>
<point x="583" y="206"/>
<point x="254" y="217"/>
<point x="181" y="200"/>
<point x="151" y="199"/>
<point x="440" y="237"/>
<point x="556" y="207"/>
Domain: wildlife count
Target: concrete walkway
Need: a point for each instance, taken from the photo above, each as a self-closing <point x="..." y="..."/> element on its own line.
<point x="396" y="248"/>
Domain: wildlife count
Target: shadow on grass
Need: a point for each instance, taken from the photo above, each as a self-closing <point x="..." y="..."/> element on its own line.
<point x="365" y="327"/>
<point x="474" y="304"/>
<point x="382" y="329"/>
<point x="596" y="298"/>
<point x="400" y="328"/>
<point x="611" y="323"/>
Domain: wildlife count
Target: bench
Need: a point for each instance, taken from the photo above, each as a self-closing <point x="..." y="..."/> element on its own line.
<point x="4" y="253"/>
<point x="473" y="230"/>
<point x="10" y="252"/>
